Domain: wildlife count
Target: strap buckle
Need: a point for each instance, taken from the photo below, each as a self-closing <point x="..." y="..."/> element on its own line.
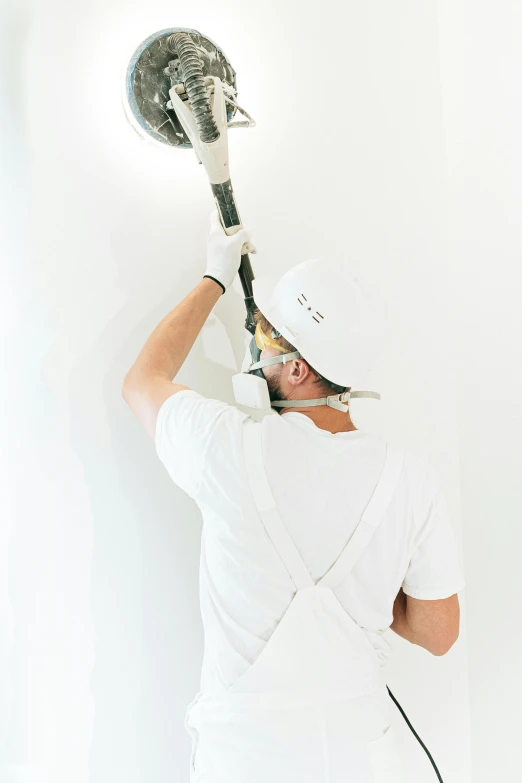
<point x="336" y="401"/>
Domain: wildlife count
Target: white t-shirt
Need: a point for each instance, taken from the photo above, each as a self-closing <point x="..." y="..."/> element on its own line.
<point x="321" y="483"/>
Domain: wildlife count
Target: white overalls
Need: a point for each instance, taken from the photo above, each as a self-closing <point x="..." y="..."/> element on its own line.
<point x="313" y="706"/>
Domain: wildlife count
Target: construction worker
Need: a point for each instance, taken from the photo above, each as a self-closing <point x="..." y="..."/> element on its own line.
<point x="317" y="536"/>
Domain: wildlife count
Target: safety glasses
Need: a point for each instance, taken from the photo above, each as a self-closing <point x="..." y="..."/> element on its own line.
<point x="263" y="341"/>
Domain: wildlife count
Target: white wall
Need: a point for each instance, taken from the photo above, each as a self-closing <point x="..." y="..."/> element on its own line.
<point x="104" y="639"/>
<point x="481" y="75"/>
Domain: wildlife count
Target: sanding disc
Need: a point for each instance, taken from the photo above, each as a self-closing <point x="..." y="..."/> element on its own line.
<point x="152" y="70"/>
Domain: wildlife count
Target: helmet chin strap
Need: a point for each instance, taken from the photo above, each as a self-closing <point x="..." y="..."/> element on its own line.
<point x="338" y="401"/>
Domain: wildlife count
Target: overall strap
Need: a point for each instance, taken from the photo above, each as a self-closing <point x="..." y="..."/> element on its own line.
<point x="370" y="520"/>
<point x="266" y="505"/>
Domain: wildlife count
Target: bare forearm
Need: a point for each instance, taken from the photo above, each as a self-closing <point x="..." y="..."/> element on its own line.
<point x="400" y="619"/>
<point x="171" y="341"/>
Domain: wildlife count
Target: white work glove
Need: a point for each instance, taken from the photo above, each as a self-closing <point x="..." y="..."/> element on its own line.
<point x="224" y="252"/>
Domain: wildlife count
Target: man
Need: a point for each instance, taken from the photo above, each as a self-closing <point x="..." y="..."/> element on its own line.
<point x="317" y="536"/>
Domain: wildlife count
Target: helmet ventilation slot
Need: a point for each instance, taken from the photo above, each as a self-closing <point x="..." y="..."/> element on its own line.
<point x="309" y="308"/>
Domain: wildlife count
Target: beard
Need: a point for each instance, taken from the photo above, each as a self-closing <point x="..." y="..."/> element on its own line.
<point x="274" y="389"/>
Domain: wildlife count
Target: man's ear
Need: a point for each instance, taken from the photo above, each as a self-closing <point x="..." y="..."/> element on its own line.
<point x="299" y="372"/>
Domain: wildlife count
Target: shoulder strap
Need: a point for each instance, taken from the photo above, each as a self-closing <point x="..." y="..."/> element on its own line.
<point x="266" y="506"/>
<point x="370" y="520"/>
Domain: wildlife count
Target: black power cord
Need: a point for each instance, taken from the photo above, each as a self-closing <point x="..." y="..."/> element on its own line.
<point x="416" y="735"/>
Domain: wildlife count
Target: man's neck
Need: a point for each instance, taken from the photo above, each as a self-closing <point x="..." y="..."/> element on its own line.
<point x="326" y="418"/>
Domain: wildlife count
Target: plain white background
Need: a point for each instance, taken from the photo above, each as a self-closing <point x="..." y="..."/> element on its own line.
<point x="387" y="133"/>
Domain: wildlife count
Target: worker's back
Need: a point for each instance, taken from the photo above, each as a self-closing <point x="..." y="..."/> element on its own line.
<point x="322" y="483"/>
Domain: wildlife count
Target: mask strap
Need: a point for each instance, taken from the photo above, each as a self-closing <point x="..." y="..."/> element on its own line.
<point x="287" y="357"/>
<point x="333" y="401"/>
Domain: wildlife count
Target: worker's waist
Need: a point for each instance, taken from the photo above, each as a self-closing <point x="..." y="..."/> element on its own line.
<point x="220" y="706"/>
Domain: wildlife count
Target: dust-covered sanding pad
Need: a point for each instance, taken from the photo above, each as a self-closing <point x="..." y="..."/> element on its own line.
<point x="152" y="70"/>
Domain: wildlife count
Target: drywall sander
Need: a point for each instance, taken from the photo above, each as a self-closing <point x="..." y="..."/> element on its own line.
<point x="180" y="90"/>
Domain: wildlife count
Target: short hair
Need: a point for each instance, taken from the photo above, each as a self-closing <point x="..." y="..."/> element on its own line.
<point x="325" y="384"/>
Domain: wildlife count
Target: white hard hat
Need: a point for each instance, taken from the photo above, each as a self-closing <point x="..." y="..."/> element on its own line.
<point x="321" y="309"/>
